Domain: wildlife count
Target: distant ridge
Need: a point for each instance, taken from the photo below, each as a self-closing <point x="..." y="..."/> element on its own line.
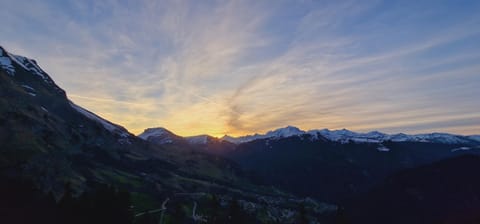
<point x="164" y="136"/>
<point x="345" y="136"/>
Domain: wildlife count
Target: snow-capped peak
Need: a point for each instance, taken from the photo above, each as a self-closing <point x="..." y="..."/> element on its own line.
<point x="8" y="60"/>
<point x="158" y="135"/>
<point x="285" y="132"/>
<point x="378" y="137"/>
<point x="345" y="136"/>
<point x="153" y="132"/>
<point x="277" y="133"/>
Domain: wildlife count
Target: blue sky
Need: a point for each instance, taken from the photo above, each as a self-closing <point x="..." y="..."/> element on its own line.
<point x="239" y="67"/>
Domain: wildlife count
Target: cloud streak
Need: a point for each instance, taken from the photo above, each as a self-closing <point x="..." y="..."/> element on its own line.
<point x="238" y="67"/>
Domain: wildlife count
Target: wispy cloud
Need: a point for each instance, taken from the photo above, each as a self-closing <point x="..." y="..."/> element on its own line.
<point x="236" y="67"/>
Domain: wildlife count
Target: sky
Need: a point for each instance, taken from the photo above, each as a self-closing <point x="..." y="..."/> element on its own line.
<point x="242" y="67"/>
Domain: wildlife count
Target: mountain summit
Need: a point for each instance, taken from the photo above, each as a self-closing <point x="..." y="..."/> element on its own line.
<point x="159" y="135"/>
<point x="277" y="133"/>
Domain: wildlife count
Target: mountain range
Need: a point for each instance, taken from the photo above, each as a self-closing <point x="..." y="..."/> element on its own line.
<point x="337" y="166"/>
<point x="282" y="176"/>
<point x="49" y="140"/>
<point x="341" y="136"/>
<point x="300" y="161"/>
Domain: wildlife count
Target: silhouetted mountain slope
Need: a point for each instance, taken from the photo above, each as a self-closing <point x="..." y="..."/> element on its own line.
<point x="443" y="192"/>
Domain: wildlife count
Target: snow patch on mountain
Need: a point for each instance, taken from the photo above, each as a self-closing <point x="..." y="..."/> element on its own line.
<point x="153" y="132"/>
<point x="27" y="87"/>
<point x="232" y="139"/>
<point x="345" y="136"/>
<point x="20" y="60"/>
<point x="7" y="59"/>
<point x="382" y="148"/>
<point x="163" y="135"/>
<point x="439" y="138"/>
<point x="242" y="139"/>
<point x="29" y="90"/>
<point x="106" y="124"/>
<point x="285" y="132"/>
<point x="461" y="149"/>
<point x="278" y="133"/>
<point x="6" y="63"/>
<point x="30" y="65"/>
